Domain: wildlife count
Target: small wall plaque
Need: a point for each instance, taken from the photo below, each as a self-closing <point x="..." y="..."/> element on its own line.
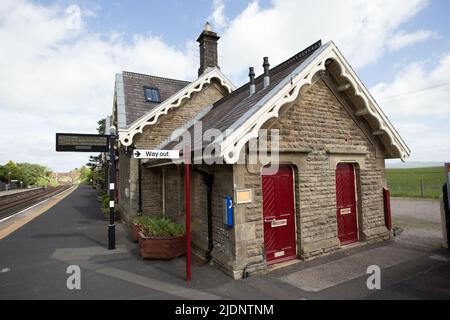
<point x="243" y="196"/>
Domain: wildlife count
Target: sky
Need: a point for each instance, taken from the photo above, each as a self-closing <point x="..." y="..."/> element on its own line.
<point x="58" y="59"/>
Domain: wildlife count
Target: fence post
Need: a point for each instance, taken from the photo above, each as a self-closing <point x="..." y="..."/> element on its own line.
<point x="421" y="188"/>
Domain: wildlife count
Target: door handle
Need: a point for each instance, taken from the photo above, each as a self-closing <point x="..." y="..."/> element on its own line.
<point x="269" y="220"/>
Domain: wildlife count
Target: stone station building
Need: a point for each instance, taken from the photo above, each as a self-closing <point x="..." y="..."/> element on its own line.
<point x="333" y="141"/>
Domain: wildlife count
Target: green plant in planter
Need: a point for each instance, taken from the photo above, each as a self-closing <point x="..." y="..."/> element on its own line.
<point x="160" y="227"/>
<point x="140" y="220"/>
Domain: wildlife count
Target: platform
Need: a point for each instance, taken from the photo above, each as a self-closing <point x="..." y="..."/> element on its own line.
<point x="8" y="192"/>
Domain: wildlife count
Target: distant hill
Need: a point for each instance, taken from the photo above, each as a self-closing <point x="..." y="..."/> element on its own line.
<point x="413" y="164"/>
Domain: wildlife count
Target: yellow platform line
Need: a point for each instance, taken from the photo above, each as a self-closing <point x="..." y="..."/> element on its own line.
<point x="11" y="225"/>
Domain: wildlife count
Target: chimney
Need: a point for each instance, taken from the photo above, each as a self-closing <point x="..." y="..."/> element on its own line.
<point x="208" y="49"/>
<point x="251" y="74"/>
<point x="266" y="66"/>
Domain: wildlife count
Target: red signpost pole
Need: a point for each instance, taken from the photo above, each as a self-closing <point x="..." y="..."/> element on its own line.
<point x="387" y="208"/>
<point x="187" y="199"/>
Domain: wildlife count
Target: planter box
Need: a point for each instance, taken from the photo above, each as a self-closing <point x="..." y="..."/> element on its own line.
<point x="135" y="229"/>
<point x="161" y="248"/>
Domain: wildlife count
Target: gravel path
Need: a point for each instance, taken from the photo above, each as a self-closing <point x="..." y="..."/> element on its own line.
<point x="420" y="220"/>
<point x="423" y="209"/>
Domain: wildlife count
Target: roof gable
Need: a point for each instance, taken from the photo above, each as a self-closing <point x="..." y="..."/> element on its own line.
<point x="133" y="85"/>
<point x="150" y="117"/>
<point x="288" y="89"/>
<point x="240" y="116"/>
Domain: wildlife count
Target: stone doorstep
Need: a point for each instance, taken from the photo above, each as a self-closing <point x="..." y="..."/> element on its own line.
<point x="284" y="264"/>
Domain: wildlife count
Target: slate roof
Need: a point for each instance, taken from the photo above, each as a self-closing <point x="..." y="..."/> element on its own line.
<point x="232" y="107"/>
<point x="133" y="90"/>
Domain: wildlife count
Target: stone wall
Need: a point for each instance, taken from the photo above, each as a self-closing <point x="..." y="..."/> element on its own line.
<point x="223" y="238"/>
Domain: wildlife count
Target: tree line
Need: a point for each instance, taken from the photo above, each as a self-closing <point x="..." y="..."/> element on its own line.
<point x="26" y="174"/>
<point x="30" y="174"/>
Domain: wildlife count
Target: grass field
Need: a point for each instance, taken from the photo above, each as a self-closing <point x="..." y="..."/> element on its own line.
<point x="406" y="182"/>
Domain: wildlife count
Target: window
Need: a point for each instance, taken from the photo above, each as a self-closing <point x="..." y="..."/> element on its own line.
<point x="152" y="94"/>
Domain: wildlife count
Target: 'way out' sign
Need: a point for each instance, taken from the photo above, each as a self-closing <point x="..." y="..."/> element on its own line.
<point x="156" y="154"/>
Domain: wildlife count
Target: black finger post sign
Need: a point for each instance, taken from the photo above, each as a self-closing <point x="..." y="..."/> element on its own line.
<point x="77" y="142"/>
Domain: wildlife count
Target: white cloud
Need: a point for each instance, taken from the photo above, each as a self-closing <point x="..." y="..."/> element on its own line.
<point x="418" y="102"/>
<point x="417" y="91"/>
<point x="218" y="18"/>
<point x="402" y="39"/>
<point x="428" y="142"/>
<point x="360" y="29"/>
<point x="61" y="79"/>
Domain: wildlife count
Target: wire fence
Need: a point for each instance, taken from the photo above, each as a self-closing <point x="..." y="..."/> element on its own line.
<point x="419" y="183"/>
<point x="420" y="190"/>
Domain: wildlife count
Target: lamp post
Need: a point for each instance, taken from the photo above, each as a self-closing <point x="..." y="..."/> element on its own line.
<point x="112" y="173"/>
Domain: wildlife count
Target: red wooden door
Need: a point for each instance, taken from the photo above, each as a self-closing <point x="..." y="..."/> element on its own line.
<point x="346" y="203"/>
<point x="278" y="215"/>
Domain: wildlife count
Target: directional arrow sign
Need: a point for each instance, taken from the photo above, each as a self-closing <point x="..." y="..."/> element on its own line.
<point x="156" y="154"/>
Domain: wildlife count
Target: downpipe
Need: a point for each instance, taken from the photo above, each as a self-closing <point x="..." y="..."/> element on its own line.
<point x="245" y="273"/>
<point x="208" y="178"/>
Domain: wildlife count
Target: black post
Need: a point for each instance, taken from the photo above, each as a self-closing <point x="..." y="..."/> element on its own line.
<point x="112" y="174"/>
<point x="421" y="188"/>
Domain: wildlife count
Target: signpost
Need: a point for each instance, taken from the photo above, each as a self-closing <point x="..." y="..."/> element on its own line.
<point x="77" y="142"/>
<point x="112" y="188"/>
<point x="155" y="154"/>
<point x="187" y="199"/>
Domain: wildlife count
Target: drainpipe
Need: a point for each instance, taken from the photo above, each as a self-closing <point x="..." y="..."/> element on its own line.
<point x="140" y="187"/>
<point x="208" y="178"/>
<point x="245" y="273"/>
<point x="163" y="173"/>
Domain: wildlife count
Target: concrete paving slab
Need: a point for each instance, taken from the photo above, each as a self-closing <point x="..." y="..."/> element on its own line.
<point x="330" y="274"/>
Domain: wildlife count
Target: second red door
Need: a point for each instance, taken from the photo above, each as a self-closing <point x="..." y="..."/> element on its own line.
<point x="346" y="203"/>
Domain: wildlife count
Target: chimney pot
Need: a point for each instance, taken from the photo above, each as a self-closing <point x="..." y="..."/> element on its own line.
<point x="266" y="66"/>
<point x="251" y="74"/>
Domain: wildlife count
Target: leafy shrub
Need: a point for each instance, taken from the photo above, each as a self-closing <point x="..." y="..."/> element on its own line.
<point x="159" y="227"/>
<point x="54" y="183"/>
<point x="41" y="182"/>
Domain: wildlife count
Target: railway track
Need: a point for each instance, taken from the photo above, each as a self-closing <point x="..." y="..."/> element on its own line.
<point x="13" y="203"/>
